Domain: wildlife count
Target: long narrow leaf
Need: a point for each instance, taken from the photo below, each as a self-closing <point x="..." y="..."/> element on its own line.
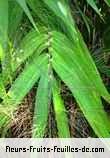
<point x="27" y="11"/>
<point x="92" y="3"/>
<point x="108" y="2"/>
<point x="15" y="17"/>
<point x="3" y="21"/>
<point x="60" y="112"/>
<point x="2" y="89"/>
<point x="42" y="105"/>
<point x="84" y="62"/>
<point x="89" y="101"/>
<point x="87" y="94"/>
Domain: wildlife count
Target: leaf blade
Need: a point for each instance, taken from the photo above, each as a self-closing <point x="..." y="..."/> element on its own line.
<point x="60" y="112"/>
<point x="26" y="80"/>
<point x="24" y="6"/>
<point x="42" y="105"/>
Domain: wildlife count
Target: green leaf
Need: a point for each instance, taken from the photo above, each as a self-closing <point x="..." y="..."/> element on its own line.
<point x="5" y="119"/>
<point x="21" y="87"/>
<point x="6" y="58"/>
<point x="84" y="17"/>
<point x="2" y="89"/>
<point x="25" y="80"/>
<point x="88" y="100"/>
<point x="60" y="112"/>
<point x="42" y="105"/>
<point x="27" y="11"/>
<point x="59" y="7"/>
<point x="1" y="52"/>
<point x="3" y="22"/>
<point x="80" y="55"/>
<point x="73" y="71"/>
<point x="108" y="2"/>
<point x="29" y="45"/>
<point x="15" y="17"/>
<point x="92" y="3"/>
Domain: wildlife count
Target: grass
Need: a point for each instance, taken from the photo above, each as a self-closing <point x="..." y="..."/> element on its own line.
<point x="50" y="45"/>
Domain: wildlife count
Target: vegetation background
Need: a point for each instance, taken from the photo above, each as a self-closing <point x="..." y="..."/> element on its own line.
<point x="54" y="68"/>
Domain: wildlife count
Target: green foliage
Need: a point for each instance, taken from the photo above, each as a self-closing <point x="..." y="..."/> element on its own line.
<point x="16" y="13"/>
<point x="3" y="22"/>
<point x="43" y="55"/>
<point x="108" y="2"/>
<point x="23" y="4"/>
<point x="29" y="45"/>
<point x="43" y="100"/>
<point x="60" y="112"/>
<point x="93" y="4"/>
